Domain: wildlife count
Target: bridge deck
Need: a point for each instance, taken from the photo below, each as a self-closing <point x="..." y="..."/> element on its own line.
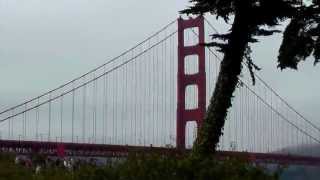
<point x="102" y="150"/>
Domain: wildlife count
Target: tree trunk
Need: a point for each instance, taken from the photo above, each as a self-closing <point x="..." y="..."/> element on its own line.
<point x="220" y="102"/>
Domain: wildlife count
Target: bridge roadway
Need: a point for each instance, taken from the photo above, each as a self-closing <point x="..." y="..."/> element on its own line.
<point x="102" y="150"/>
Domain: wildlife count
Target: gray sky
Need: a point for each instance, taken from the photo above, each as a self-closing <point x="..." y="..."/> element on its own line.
<point x="45" y="43"/>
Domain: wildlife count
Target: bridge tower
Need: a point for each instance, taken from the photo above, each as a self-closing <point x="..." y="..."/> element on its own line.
<point x="198" y="79"/>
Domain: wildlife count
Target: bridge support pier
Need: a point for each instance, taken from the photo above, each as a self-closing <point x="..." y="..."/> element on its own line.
<point x="199" y="79"/>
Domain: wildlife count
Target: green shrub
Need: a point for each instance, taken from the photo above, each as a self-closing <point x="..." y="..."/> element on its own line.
<point x="144" y="167"/>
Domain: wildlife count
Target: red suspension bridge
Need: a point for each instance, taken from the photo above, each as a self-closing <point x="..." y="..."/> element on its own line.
<point x="153" y="97"/>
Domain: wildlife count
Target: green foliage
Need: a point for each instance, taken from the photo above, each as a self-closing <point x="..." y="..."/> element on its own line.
<point x="263" y="12"/>
<point x="251" y="19"/>
<point x="10" y="171"/>
<point x="301" y="38"/>
<point x="145" y="167"/>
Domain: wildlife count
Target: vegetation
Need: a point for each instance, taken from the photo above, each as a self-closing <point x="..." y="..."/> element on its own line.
<point x="10" y="171"/>
<point x="251" y="19"/>
<point x="302" y="35"/>
<point x="142" y="167"/>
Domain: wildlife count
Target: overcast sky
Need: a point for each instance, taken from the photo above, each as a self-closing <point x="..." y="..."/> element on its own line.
<point x="44" y="43"/>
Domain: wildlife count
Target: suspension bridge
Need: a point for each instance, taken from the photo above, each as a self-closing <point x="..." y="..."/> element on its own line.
<point x="153" y="97"/>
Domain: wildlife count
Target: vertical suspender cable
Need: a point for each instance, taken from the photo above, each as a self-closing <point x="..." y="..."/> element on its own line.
<point x="73" y="111"/>
<point x="9" y="127"/>
<point x="165" y="80"/>
<point x="24" y="122"/>
<point x="12" y="124"/>
<point x="61" y="118"/>
<point x="37" y="119"/>
<point x="115" y="107"/>
<point x="84" y="94"/>
<point x="95" y="107"/>
<point x="106" y="100"/>
<point x="49" y="131"/>
<point x="157" y="93"/>
<point x="242" y="120"/>
<point x="171" y="90"/>
<point x="124" y="105"/>
<point x="153" y="98"/>
<point x="104" y="107"/>
<point x="135" y="103"/>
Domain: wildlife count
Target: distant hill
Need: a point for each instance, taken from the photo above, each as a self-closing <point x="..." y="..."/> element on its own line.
<point x="303" y="150"/>
<point x="302" y="172"/>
